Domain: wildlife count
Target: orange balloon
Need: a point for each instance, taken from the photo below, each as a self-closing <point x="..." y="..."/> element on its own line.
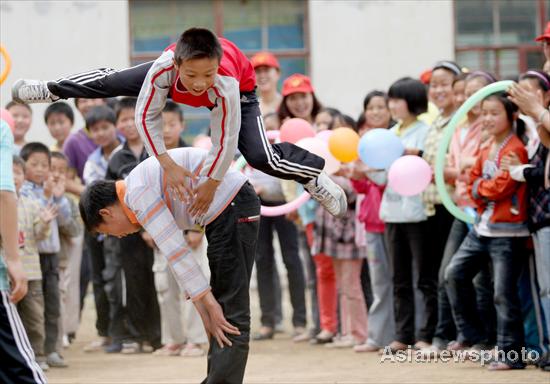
<point x="343" y="144"/>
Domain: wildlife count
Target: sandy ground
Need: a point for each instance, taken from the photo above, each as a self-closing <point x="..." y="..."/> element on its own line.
<point x="276" y="361"/>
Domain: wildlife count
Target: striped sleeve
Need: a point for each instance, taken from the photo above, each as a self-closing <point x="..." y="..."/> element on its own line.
<point x="155" y="217"/>
<point x="225" y="124"/>
<point x="151" y="101"/>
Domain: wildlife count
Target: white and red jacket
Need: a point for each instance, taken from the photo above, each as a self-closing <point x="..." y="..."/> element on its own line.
<point x="235" y="75"/>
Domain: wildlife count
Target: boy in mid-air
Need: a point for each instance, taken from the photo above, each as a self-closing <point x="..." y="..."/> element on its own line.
<point x="200" y="70"/>
<point x="142" y="200"/>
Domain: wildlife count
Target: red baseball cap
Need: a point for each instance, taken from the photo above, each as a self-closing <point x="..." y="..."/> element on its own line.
<point x="264" y="59"/>
<point x="546" y="34"/>
<point x="297" y="83"/>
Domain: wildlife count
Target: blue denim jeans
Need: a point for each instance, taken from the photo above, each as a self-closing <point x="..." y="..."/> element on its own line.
<point x="445" y="330"/>
<point x="505" y="255"/>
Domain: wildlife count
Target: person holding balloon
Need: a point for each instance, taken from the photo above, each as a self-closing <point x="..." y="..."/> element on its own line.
<point x="464" y="150"/>
<point x="370" y="232"/>
<point x="402" y="209"/>
<point x="500" y="231"/>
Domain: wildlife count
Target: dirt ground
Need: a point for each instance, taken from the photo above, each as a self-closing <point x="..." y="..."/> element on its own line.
<point x="276" y="361"/>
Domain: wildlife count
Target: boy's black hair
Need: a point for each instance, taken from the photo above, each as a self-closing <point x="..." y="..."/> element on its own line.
<point x="511" y="108"/>
<point x="98" y="195"/>
<point x="17" y="160"/>
<point x="61" y="108"/>
<point x="100" y="113"/>
<point x="197" y="43"/>
<point x="34" y="147"/>
<point x="59" y="155"/>
<point x="413" y="92"/>
<point x="542" y="78"/>
<point x="371" y="95"/>
<point x="170" y="106"/>
<point x="14" y="103"/>
<point x="125" y="103"/>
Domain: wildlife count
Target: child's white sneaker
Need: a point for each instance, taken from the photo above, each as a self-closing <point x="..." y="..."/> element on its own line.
<point x="329" y="194"/>
<point x="32" y="91"/>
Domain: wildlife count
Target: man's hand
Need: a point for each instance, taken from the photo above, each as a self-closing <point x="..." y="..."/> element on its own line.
<point x="203" y="196"/>
<point x="214" y="321"/>
<point x="176" y="178"/>
<point x="18" y="280"/>
<point x="148" y="240"/>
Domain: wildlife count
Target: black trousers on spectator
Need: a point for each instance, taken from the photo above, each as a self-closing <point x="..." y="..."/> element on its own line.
<point x="142" y="308"/>
<point x="282" y="160"/>
<point x="49" y="264"/>
<point x="114" y="289"/>
<point x="408" y="243"/>
<point x="16" y="355"/>
<point x="97" y="258"/>
<point x="265" y="267"/>
<point x="232" y="241"/>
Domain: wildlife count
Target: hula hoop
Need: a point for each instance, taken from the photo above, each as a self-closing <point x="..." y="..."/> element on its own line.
<point x="446" y="140"/>
<point x="280" y="209"/>
<point x="7" y="59"/>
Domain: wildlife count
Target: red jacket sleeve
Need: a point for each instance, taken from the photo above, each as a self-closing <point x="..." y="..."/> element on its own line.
<point x="500" y="187"/>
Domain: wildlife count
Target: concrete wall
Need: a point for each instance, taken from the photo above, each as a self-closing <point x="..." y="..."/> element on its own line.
<point x="357" y="46"/>
<point x="48" y="39"/>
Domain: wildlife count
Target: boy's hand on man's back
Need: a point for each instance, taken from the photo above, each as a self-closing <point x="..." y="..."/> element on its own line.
<point x="176" y="177"/>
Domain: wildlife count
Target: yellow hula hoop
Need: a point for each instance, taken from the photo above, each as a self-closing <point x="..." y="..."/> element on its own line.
<point x="7" y="67"/>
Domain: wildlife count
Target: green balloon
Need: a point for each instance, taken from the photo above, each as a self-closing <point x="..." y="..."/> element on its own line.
<point x="446" y="140"/>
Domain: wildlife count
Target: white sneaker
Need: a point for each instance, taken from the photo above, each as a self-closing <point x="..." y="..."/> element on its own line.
<point x="32" y="91"/>
<point x="329" y="194"/>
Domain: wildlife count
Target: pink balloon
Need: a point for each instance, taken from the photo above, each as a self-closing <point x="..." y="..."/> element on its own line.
<point x="324" y="135"/>
<point x="8" y="118"/>
<point x="293" y="130"/>
<point x="409" y="175"/>
<point x="320" y="148"/>
<point x="285" y="208"/>
<point x="203" y="142"/>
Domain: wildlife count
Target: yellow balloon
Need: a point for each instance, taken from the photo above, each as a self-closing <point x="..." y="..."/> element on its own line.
<point x="343" y="143"/>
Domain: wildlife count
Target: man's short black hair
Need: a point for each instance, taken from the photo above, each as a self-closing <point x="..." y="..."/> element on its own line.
<point x="100" y="113"/>
<point x="98" y="195"/>
<point x="197" y="43"/>
<point x="170" y="106"/>
<point x="413" y="92"/>
<point x="34" y="147"/>
<point x="125" y="103"/>
<point x="17" y="160"/>
<point x="13" y="103"/>
<point x="61" y="108"/>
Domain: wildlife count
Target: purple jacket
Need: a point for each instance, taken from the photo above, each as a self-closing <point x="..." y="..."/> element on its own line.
<point x="77" y="148"/>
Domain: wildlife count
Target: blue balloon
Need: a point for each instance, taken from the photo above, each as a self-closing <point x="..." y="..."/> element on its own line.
<point x="379" y="148"/>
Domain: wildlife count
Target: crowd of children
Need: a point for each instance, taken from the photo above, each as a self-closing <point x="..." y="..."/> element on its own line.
<point x="423" y="279"/>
